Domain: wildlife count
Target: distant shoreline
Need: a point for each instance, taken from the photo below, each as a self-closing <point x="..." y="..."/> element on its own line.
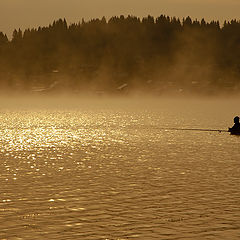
<point x="122" y="56"/>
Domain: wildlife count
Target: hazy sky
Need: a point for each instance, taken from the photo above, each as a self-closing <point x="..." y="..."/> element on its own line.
<point x="32" y="13"/>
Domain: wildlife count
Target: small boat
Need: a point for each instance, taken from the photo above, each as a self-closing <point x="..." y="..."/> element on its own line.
<point x="234" y="131"/>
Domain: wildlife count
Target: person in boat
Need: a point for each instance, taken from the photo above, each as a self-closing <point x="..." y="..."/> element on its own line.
<point x="236" y="126"/>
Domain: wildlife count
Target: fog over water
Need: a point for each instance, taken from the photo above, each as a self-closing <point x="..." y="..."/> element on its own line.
<point x="105" y="168"/>
<point x="123" y="55"/>
<point x="100" y="125"/>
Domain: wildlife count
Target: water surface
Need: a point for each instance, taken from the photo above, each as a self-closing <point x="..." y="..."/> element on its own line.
<point x="107" y="170"/>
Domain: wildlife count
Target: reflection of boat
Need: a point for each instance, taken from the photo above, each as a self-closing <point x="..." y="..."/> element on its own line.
<point x="234" y="131"/>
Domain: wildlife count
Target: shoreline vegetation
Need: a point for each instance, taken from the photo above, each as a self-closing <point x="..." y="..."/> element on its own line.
<point x="123" y="55"/>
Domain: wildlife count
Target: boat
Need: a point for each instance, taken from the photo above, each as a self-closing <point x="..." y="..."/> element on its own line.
<point x="234" y="131"/>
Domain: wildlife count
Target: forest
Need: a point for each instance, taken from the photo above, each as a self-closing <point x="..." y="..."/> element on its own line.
<point x="123" y="54"/>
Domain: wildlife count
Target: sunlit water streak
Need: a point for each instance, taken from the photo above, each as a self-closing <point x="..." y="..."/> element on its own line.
<point x="109" y="172"/>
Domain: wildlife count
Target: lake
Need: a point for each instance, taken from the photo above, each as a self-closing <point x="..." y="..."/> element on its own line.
<point x="108" y="169"/>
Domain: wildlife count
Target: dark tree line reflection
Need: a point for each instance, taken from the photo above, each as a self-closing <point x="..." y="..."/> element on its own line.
<point x="154" y="55"/>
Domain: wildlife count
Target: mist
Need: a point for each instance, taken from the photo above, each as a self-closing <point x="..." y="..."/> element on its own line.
<point x="123" y="56"/>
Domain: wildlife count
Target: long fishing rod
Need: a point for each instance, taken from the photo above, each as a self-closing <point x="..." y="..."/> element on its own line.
<point x="195" y="129"/>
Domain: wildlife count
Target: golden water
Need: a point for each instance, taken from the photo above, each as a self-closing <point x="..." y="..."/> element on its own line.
<point x="105" y="170"/>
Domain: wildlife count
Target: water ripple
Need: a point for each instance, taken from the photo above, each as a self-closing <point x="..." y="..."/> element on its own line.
<point x="113" y="175"/>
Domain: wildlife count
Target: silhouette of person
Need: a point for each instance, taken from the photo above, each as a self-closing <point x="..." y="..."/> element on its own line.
<point x="236" y="126"/>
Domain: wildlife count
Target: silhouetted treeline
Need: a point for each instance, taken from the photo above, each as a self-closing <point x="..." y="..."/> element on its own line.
<point x="124" y="53"/>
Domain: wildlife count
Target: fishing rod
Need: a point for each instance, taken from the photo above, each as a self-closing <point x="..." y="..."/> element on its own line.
<point x="195" y="129"/>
